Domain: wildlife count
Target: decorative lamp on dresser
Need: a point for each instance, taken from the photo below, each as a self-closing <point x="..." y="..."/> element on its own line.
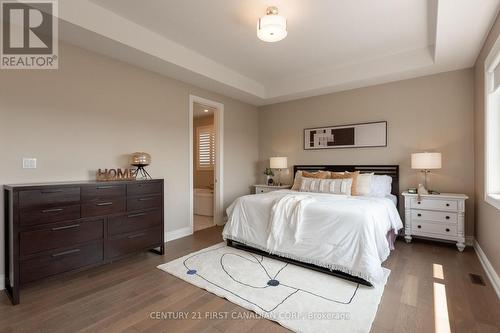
<point x="437" y="216"/>
<point x="57" y="228"/>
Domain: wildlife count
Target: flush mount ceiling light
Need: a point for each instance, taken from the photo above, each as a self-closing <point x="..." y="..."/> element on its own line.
<point x="272" y="27"/>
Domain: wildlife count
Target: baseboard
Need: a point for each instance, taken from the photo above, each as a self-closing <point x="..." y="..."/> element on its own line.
<point x="490" y="271"/>
<point x="178" y="233"/>
<point x="2" y="282"/>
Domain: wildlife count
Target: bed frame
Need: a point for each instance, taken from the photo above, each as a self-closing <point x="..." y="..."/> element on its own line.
<point x="389" y="170"/>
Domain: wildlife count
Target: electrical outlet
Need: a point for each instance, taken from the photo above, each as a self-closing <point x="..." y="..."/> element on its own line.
<point x="29" y="163"/>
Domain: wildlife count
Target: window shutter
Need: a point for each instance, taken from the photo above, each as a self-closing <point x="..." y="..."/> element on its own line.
<point x="206" y="147"/>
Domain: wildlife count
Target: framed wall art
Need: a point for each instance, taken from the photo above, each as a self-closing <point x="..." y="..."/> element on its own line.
<point x="361" y="135"/>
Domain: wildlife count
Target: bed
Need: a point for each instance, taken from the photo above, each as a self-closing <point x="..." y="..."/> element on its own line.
<point x="344" y="236"/>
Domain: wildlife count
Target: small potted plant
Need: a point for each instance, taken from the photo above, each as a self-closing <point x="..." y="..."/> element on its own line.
<point x="269" y="174"/>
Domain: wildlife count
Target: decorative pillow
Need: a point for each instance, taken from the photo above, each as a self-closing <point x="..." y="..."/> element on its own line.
<point x="381" y="186"/>
<point x="297" y="181"/>
<point x="354" y="176"/>
<point x="364" y="182"/>
<point x="300" y="174"/>
<point x="334" y="186"/>
<point x="318" y="174"/>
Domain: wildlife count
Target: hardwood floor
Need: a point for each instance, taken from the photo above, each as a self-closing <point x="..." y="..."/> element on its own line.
<point x="121" y="297"/>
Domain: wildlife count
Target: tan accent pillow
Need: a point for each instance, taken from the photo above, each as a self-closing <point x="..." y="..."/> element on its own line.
<point x="354" y="176"/>
<point x="319" y="174"/>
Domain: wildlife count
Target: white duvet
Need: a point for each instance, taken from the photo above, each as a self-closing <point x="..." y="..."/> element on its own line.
<point x="328" y="230"/>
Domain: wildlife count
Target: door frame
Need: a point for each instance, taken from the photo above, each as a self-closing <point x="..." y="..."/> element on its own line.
<point x="219" y="158"/>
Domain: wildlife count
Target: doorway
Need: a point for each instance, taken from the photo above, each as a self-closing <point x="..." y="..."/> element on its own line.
<point x="205" y="183"/>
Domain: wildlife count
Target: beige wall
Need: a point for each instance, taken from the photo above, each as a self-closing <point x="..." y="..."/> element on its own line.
<point x="433" y="113"/>
<point x="201" y="178"/>
<point x="487" y="216"/>
<point x="94" y="111"/>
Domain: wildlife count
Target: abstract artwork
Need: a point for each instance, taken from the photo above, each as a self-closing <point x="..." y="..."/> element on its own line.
<point x="346" y="136"/>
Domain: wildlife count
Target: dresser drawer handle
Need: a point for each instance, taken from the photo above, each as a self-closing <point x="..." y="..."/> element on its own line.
<point x="447" y="217"/>
<point x="51" y="191"/>
<point x="105" y="187"/>
<point x="419" y="214"/>
<point x="137" y="235"/>
<point x="146" y="199"/>
<point x="65" y="253"/>
<point x="447" y="205"/>
<point x="419" y="226"/>
<point x="418" y="202"/>
<point x="55" y="210"/>
<point x="105" y="204"/>
<point x="66" y="227"/>
<point x="136" y="215"/>
<point x="447" y="230"/>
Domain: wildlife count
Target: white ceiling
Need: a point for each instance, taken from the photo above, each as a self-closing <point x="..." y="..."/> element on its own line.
<point x="332" y="45"/>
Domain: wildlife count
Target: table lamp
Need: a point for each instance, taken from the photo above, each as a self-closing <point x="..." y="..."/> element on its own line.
<point x="278" y="163"/>
<point x="426" y="162"/>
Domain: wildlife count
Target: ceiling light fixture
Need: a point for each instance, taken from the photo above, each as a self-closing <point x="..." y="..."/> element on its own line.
<point x="206" y="110"/>
<point x="272" y="27"/>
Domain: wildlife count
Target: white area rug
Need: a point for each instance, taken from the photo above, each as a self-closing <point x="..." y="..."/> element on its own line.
<point x="297" y="298"/>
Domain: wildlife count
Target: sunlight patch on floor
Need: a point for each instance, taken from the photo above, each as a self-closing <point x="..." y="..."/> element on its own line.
<point x="437" y="271"/>
<point x="441" y="319"/>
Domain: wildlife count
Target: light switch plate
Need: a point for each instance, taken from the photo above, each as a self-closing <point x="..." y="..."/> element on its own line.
<point x="29" y="163"/>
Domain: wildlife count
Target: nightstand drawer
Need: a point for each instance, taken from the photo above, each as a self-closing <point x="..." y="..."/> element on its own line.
<point x="262" y="190"/>
<point x="429" y="215"/>
<point x="434" y="204"/>
<point x="426" y="227"/>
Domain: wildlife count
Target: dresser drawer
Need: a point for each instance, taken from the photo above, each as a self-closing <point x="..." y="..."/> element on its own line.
<point x="103" y="207"/>
<point x="49" y="215"/>
<point x="144" y="188"/>
<point x="426" y="227"/>
<point x="435" y="216"/>
<point x="434" y="204"/>
<point x="137" y="241"/>
<point x="135" y="221"/>
<point x="138" y="203"/>
<point x="99" y="192"/>
<point x="59" y="261"/>
<point x="60" y="235"/>
<point x="49" y="196"/>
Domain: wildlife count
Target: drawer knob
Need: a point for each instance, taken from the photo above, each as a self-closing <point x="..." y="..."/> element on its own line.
<point x="447" y="217"/>
<point x="447" y="230"/>
<point x="419" y="226"/>
<point x="447" y="205"/>
<point x="419" y="214"/>
<point x="418" y="202"/>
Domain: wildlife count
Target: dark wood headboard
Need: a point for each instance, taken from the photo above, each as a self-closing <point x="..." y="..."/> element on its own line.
<point x="388" y="170"/>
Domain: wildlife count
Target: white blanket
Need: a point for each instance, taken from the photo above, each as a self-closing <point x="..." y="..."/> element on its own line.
<point x="333" y="231"/>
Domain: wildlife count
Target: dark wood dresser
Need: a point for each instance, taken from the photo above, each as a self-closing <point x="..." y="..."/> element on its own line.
<point x="57" y="228"/>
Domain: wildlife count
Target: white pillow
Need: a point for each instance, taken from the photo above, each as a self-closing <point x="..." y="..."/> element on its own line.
<point x="364" y="183"/>
<point x="381" y="186"/>
<point x="333" y="186"/>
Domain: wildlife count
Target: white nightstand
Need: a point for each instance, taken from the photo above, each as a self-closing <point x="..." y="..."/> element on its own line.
<point x="438" y="216"/>
<point x="267" y="188"/>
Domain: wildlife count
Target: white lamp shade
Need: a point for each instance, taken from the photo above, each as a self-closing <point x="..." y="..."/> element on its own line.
<point x="278" y="163"/>
<point x="426" y="161"/>
<point x="271" y="28"/>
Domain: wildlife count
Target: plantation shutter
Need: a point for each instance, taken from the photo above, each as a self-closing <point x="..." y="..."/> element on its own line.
<point x="206" y="147"/>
